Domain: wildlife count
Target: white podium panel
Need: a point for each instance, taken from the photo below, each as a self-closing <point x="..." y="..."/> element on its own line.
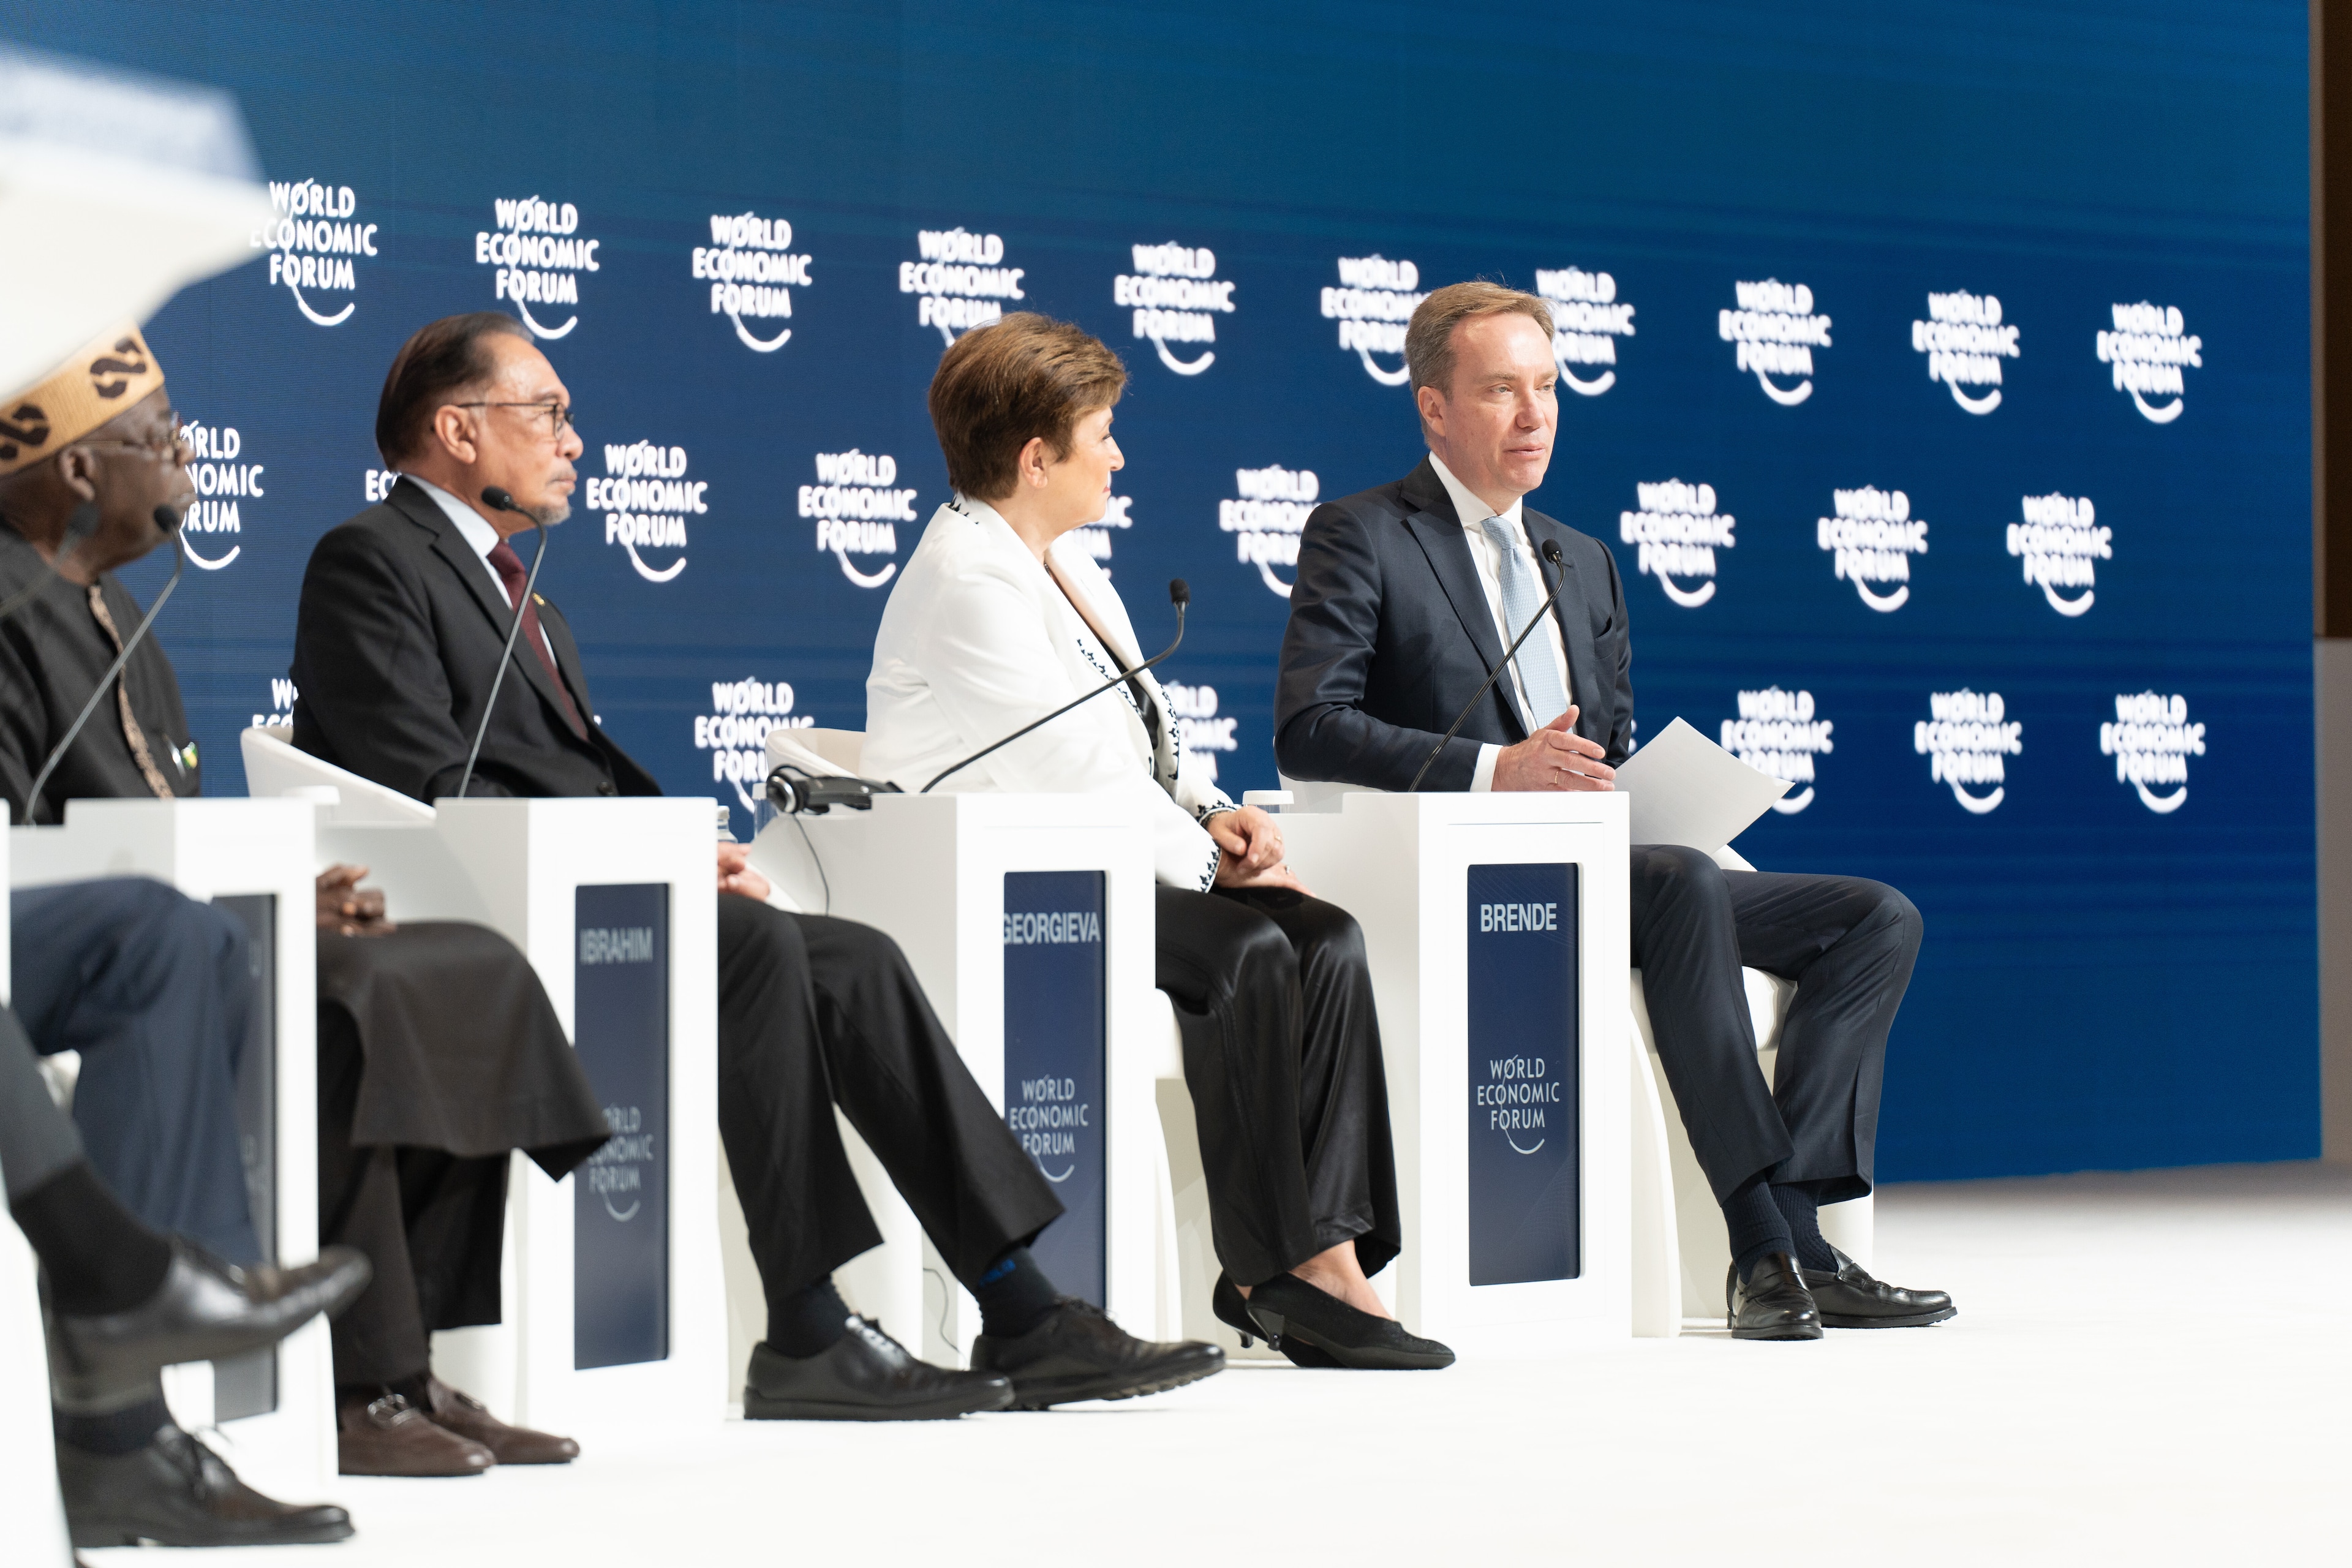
<point x="528" y="869"/>
<point x="212" y="849"/>
<point x="930" y="870"/>
<point x="1427" y="876"/>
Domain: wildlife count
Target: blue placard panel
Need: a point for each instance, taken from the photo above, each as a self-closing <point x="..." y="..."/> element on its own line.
<point x="1523" y="1074"/>
<point x="620" y="1008"/>
<point x="1055" y="1031"/>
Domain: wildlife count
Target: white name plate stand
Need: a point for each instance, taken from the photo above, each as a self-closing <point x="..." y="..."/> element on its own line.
<point x="1427" y="876"/>
<point x="210" y="849"/>
<point x="930" y="871"/>
<point x="518" y="867"/>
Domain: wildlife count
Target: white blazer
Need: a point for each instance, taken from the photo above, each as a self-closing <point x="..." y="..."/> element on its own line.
<point x="977" y="641"/>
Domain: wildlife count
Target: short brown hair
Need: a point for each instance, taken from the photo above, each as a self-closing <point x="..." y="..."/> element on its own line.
<point x="1000" y="385"/>
<point x="1429" y="337"/>
<point x="441" y="357"/>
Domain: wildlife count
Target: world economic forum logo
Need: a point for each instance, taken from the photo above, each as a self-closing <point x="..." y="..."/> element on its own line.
<point x="1775" y="332"/>
<point x="1201" y="732"/>
<point x="1267" y="517"/>
<point x="858" y="504"/>
<point x="316" y="243"/>
<point x="1677" y="531"/>
<point x="752" y="271"/>
<point x="647" y="497"/>
<point x="537" y="254"/>
<point x="1373" y="304"/>
<point x="735" y="733"/>
<point x="1871" y="541"/>
<point x="1965" y="739"/>
<point x="1175" y="296"/>
<point x="227" y="482"/>
<point x="1779" y="734"/>
<point x="1965" y="341"/>
<point x="2151" y="740"/>
<point x="2061" y="542"/>
<point x="1586" y="319"/>
<point x="961" y="282"/>
<point x="2148" y="351"/>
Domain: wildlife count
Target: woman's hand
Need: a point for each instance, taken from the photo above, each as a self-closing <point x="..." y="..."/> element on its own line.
<point x="347" y="907"/>
<point x="736" y="876"/>
<point x="1249" y="851"/>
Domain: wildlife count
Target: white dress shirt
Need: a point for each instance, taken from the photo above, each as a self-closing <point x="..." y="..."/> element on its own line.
<point x="1484" y="554"/>
<point x="477" y="532"/>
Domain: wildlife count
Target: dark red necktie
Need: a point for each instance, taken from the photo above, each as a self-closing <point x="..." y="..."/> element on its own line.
<point x="508" y="566"/>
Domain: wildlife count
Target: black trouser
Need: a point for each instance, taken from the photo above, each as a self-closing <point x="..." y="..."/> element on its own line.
<point x="155" y="991"/>
<point x="1282" y="1055"/>
<point x="431" y="1222"/>
<point x="1848" y="943"/>
<point x="36" y="1139"/>
<point x="815" y="1013"/>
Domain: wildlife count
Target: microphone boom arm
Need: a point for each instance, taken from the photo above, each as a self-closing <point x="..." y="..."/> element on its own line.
<point x="129" y="645"/>
<point x="504" y="502"/>
<point x="1550" y="553"/>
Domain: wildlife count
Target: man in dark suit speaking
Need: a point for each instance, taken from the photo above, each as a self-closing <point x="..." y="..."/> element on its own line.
<point x="1406" y="598"/>
<point x="404" y="613"/>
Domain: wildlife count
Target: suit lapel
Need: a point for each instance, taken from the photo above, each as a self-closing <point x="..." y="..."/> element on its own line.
<point x="1585" y="688"/>
<point x="1438" y="531"/>
<point x="471" y="571"/>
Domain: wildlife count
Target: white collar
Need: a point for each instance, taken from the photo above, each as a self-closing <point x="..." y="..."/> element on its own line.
<point x="471" y="523"/>
<point x="1468" y="507"/>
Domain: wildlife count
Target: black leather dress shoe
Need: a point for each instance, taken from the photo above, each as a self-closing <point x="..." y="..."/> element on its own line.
<point x="1232" y="1307"/>
<point x="1286" y="1308"/>
<point x="177" y="1492"/>
<point x="1851" y="1299"/>
<point x="206" y="1310"/>
<point x="1773" y="1303"/>
<point x="1079" y="1353"/>
<point x="864" y="1375"/>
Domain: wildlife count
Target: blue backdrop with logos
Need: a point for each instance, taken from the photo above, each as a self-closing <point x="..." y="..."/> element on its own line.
<point x="1939" y="374"/>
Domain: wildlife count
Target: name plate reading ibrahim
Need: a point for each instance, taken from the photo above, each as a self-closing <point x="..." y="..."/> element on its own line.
<point x="1523" y="1032"/>
<point x="620" y="1226"/>
<point x="1054" y="1030"/>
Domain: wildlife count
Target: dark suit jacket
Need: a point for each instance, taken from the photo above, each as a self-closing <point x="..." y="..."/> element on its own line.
<point x="396" y="646"/>
<point x="1390" y="634"/>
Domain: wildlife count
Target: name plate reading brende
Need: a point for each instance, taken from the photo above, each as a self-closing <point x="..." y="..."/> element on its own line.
<point x="620" y="1227"/>
<point x="1054" y="1033"/>
<point x="1523" y="1053"/>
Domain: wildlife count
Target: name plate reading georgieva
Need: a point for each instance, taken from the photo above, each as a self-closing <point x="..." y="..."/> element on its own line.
<point x="620" y="1198"/>
<point x="1523" y="1037"/>
<point x="1055" y="1033"/>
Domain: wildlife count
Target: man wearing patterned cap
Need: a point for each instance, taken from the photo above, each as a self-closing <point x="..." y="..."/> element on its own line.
<point x="439" y="1052"/>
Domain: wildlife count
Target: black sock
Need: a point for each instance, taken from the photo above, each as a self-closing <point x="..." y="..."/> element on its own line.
<point x="1755" y="1223"/>
<point x="1014" y="1296"/>
<point x="1798" y="1207"/>
<point x="99" y="1257"/>
<point x="807" y="1322"/>
<point x="124" y="1432"/>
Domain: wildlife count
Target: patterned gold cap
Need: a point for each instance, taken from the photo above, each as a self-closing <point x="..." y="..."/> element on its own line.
<point x="107" y="375"/>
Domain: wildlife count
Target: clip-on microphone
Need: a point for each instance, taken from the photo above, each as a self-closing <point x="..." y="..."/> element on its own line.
<point x="1180" y="594"/>
<point x="498" y="499"/>
<point x="169" y="521"/>
<point x="1551" y="553"/>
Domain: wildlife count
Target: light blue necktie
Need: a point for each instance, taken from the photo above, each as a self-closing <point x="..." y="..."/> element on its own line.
<point x="1538" y="671"/>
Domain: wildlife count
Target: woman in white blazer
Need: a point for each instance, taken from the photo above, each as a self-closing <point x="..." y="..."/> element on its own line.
<point x="999" y="618"/>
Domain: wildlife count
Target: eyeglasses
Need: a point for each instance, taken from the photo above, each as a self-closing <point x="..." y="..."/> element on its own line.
<point x="559" y="415"/>
<point x="173" y="447"/>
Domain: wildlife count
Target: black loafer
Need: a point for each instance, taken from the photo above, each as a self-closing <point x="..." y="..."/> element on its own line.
<point x="1079" y="1353"/>
<point x="1851" y="1299"/>
<point x="206" y="1310"/>
<point x="1773" y="1303"/>
<point x="864" y="1375"/>
<point x="1287" y="1308"/>
<point x="177" y="1492"/>
<point x="1232" y="1309"/>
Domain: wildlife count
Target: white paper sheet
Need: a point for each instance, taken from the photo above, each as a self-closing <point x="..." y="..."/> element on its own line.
<point x="1685" y="789"/>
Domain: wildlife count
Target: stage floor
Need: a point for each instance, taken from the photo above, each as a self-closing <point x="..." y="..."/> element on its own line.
<point x="2146" y="1368"/>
